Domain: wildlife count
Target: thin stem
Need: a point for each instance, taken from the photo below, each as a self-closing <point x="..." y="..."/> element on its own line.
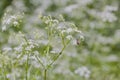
<point x="4" y="72"/>
<point x="49" y="40"/>
<point x="40" y="61"/>
<point x="45" y="74"/>
<point x="27" y="67"/>
<point x="13" y="67"/>
<point x="55" y="58"/>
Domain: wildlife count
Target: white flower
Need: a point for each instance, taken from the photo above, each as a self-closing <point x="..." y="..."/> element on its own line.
<point x="18" y="49"/>
<point x="111" y="8"/>
<point x="82" y="38"/>
<point x="108" y="16"/>
<point x="83" y="71"/>
<point x="74" y="42"/>
<point x="4" y="28"/>
<point x="69" y="37"/>
<point x="55" y="50"/>
<point x="71" y="8"/>
<point x="8" y="21"/>
<point x="69" y="30"/>
<point x="15" y="23"/>
<point x="78" y="31"/>
<point x="45" y="60"/>
<point x="85" y="2"/>
<point x="13" y="17"/>
<point x="9" y="76"/>
<point x="7" y="49"/>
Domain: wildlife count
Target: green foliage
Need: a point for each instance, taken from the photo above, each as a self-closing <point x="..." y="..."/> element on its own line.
<point x="35" y="39"/>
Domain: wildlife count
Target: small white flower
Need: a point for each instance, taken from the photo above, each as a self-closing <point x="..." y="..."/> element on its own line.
<point x="7" y="49"/>
<point x="82" y="38"/>
<point x="85" y="2"/>
<point x="78" y="31"/>
<point x="13" y="17"/>
<point x="108" y="16"/>
<point x="63" y="31"/>
<point x="18" y="49"/>
<point x="69" y="37"/>
<point x="45" y="61"/>
<point x="74" y="42"/>
<point x="55" y="50"/>
<point x="8" y="75"/>
<point x="36" y="52"/>
<point x="56" y="21"/>
<point x="71" y="8"/>
<point x="8" y="21"/>
<point x="69" y="30"/>
<point x="83" y="71"/>
<point x="111" y="8"/>
<point x="15" y="23"/>
<point x="4" y="28"/>
<point x="29" y="47"/>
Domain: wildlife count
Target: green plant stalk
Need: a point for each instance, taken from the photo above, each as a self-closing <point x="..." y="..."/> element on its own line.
<point x="55" y="58"/>
<point x="27" y="64"/>
<point x="12" y="67"/>
<point x="27" y="67"/>
<point x="40" y="62"/>
<point x="49" y="39"/>
<point x="4" y="73"/>
<point x="45" y="74"/>
<point x="60" y="53"/>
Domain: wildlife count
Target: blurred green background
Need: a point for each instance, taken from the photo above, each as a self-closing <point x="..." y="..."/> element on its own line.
<point x="99" y="20"/>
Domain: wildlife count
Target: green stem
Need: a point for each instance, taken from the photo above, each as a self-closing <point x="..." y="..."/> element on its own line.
<point x="45" y="74"/>
<point x="27" y="67"/>
<point x="49" y="40"/>
<point x="60" y="53"/>
<point x="55" y="58"/>
<point x="40" y="61"/>
<point x="4" y="72"/>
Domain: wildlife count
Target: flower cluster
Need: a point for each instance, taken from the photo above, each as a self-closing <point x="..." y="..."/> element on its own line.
<point x="68" y="31"/>
<point x="11" y="20"/>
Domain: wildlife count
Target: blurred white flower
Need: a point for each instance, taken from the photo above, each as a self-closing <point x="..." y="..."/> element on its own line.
<point x="45" y="61"/>
<point x="63" y="68"/>
<point x="69" y="30"/>
<point x="18" y="49"/>
<point x="84" y="2"/>
<point x="83" y="71"/>
<point x="108" y="16"/>
<point x="15" y="72"/>
<point x="111" y="8"/>
<point x="15" y="23"/>
<point x="13" y="17"/>
<point x="69" y="37"/>
<point x="8" y="21"/>
<point x="74" y="42"/>
<point x="9" y="76"/>
<point x="7" y="49"/>
<point x="71" y="8"/>
<point x="4" y="28"/>
<point x="55" y="50"/>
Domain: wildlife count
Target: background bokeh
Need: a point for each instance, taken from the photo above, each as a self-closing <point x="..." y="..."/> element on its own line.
<point x="99" y="20"/>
